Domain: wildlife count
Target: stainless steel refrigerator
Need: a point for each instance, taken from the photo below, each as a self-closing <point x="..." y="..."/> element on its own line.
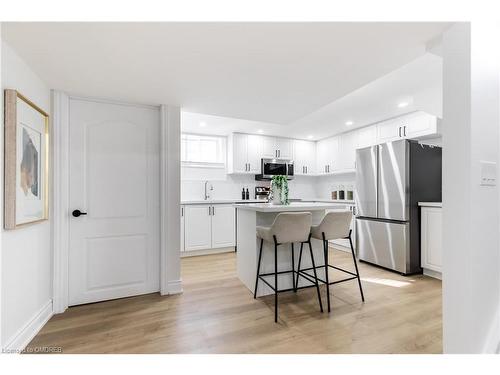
<point x="391" y="179"/>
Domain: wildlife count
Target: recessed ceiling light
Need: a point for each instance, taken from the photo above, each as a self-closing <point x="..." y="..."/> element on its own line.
<point x="203" y="124"/>
<point x="349" y="123"/>
<point x="310" y="136"/>
<point x="260" y="131"/>
<point x="403" y="104"/>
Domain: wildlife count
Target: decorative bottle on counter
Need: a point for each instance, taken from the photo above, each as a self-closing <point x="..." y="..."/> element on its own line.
<point x="243" y="194"/>
<point x="247" y="195"/>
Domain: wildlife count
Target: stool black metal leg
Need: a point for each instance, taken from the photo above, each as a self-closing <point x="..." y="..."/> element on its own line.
<point x="298" y="266"/>
<point x="275" y="280"/>
<point x="356" y="267"/>
<point x="258" y="269"/>
<point x="325" y="249"/>
<point x="293" y="270"/>
<point x="315" y="275"/>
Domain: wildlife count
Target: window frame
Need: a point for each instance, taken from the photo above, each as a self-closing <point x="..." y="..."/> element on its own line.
<point x="201" y="164"/>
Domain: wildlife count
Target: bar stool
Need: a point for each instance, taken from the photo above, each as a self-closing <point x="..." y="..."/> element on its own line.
<point x="287" y="227"/>
<point x="335" y="225"/>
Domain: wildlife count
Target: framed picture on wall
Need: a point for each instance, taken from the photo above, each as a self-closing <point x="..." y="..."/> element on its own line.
<point x="26" y="161"/>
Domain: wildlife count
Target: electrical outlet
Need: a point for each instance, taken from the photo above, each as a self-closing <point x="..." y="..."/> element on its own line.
<point x="488" y="173"/>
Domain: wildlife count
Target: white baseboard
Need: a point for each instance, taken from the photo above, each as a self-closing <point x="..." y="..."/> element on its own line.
<point x="432" y="273"/>
<point x="195" y="253"/>
<point x="175" y="286"/>
<point x="23" y="337"/>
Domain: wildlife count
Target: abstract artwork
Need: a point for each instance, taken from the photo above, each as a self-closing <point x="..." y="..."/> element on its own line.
<point x="26" y="161"/>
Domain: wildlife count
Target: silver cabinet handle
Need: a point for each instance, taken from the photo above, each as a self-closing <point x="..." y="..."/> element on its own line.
<point x="208" y="210"/>
<point x="404" y="130"/>
<point x="399" y="130"/>
<point x="213" y="210"/>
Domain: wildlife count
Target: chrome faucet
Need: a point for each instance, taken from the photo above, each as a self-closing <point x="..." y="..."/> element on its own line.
<point x="208" y="189"/>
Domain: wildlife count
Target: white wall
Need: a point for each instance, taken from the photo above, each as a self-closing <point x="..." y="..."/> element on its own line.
<point x="471" y="263"/>
<point x="26" y="253"/>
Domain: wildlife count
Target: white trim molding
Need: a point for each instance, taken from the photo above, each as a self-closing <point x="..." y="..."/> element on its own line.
<point x="170" y="282"/>
<point x="60" y="198"/>
<point x="23" y="337"/>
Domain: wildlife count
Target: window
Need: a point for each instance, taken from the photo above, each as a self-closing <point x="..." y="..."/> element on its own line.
<point x="203" y="151"/>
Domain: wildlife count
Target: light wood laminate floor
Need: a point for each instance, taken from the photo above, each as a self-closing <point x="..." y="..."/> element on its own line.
<point x="217" y="314"/>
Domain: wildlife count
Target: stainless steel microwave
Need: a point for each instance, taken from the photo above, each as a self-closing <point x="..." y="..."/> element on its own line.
<point x="275" y="167"/>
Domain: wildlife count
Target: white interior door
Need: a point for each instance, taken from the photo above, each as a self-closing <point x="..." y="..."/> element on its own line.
<point x="114" y="179"/>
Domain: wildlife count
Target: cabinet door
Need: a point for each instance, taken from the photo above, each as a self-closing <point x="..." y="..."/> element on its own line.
<point x="333" y="154"/>
<point x="223" y="228"/>
<point x="347" y="155"/>
<point x="300" y="151"/>
<point x="197" y="227"/>
<point x="182" y="228"/>
<point x="322" y="156"/>
<point x="285" y="148"/>
<point x="367" y="136"/>
<point x="420" y="124"/>
<point x="254" y="153"/>
<point x="239" y="153"/>
<point x="431" y="239"/>
<point x="269" y="147"/>
<point x="388" y="131"/>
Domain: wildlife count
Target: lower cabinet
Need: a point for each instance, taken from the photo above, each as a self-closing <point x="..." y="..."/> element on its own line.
<point x="208" y="227"/>
<point x="431" y="242"/>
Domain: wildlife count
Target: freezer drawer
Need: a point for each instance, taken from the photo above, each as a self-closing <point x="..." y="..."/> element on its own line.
<point x="384" y="243"/>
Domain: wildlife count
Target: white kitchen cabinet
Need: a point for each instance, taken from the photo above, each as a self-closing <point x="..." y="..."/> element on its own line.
<point x="388" y="131"/>
<point x="223" y="230"/>
<point x="182" y="229"/>
<point x="347" y="153"/>
<point x="254" y="153"/>
<point x="209" y="226"/>
<point x="420" y="125"/>
<point x="367" y="136"/>
<point x="273" y="147"/>
<point x="327" y="155"/>
<point x="412" y="126"/>
<point x="244" y="153"/>
<point x="431" y="241"/>
<point x="304" y="157"/>
<point x="197" y="227"/>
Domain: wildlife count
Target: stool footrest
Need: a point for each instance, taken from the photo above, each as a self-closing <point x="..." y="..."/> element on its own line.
<point x="262" y="275"/>
<point x="337" y="268"/>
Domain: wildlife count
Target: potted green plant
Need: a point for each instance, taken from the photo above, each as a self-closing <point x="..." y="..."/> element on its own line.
<point x="279" y="190"/>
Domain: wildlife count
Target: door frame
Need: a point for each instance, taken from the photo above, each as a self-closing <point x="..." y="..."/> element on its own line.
<point x="170" y="281"/>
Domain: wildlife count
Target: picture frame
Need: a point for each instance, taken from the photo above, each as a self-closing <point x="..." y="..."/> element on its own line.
<point x="26" y="158"/>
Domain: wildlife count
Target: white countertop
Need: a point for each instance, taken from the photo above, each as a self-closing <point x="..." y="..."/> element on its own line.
<point x="430" y="204"/>
<point x="294" y="206"/>
<point x="221" y="201"/>
<point x="228" y="201"/>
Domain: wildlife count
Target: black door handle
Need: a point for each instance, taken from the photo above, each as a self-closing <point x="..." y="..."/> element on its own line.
<point x="77" y="213"/>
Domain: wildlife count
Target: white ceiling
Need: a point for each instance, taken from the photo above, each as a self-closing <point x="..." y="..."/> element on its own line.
<point x="281" y="73"/>
<point x="419" y="83"/>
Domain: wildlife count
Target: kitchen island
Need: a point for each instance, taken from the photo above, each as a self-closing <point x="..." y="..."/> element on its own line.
<point x="249" y="216"/>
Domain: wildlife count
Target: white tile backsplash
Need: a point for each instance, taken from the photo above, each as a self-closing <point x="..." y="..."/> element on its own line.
<point x="229" y="186"/>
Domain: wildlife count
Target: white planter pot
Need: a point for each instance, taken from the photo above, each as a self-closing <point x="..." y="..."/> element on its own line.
<point x="276" y="196"/>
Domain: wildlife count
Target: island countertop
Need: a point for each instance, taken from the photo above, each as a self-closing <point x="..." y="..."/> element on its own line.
<point x="294" y="206"/>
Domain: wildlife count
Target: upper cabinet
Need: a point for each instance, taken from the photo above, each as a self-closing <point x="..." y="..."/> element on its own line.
<point x="304" y="157"/>
<point x="414" y="125"/>
<point x="281" y="148"/>
<point x="244" y="153"/>
<point x="327" y="156"/>
<point x="366" y="136"/>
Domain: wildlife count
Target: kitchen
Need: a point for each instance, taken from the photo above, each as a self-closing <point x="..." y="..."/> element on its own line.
<point x="327" y="174"/>
<point x="324" y="171"/>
